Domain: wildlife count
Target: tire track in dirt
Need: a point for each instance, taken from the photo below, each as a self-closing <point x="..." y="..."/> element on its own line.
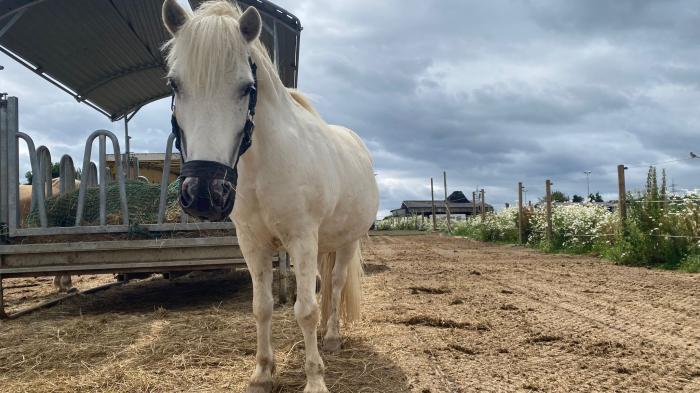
<point x="549" y="304"/>
<point x="663" y="326"/>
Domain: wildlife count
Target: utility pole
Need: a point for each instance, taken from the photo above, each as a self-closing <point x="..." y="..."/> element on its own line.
<point x="474" y="204"/>
<point x="483" y="205"/>
<point x="447" y="207"/>
<point x="588" y="183"/>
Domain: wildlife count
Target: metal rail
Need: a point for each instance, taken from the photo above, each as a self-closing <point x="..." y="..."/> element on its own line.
<point x="55" y="301"/>
<point x="164" y="182"/>
<point x="83" y="257"/>
<point x="160" y="255"/>
<point x="66" y="175"/>
<point x="37" y="192"/>
<point x="43" y="178"/>
<point x="103" y="134"/>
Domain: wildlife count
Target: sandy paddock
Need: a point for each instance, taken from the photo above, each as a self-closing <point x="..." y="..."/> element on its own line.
<point x="441" y="315"/>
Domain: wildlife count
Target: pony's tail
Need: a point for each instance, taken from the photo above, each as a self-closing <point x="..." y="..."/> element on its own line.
<point x="352" y="292"/>
<point x="351" y="295"/>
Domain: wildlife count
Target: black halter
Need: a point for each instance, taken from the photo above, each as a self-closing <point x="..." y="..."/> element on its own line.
<point x="210" y="170"/>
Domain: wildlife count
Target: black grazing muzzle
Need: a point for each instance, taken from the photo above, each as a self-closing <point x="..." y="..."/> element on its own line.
<point x="208" y="188"/>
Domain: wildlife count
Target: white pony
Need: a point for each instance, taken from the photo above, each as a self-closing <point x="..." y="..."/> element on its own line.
<point x="303" y="186"/>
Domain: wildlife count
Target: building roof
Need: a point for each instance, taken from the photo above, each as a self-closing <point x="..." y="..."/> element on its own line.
<point x="143" y="157"/>
<point x="106" y="53"/>
<point x="457" y="202"/>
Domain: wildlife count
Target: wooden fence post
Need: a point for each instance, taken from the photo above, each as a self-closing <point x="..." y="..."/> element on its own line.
<point x="622" y="194"/>
<point x="447" y="207"/>
<point x="432" y="198"/>
<point x="548" y="190"/>
<point x="483" y="205"/>
<point x="474" y="204"/>
<point x="520" y="213"/>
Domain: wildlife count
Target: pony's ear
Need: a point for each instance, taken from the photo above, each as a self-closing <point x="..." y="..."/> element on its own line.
<point x="250" y="24"/>
<point x="174" y="16"/>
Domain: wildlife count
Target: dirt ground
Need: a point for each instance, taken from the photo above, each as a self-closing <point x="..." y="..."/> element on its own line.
<point x="441" y="315"/>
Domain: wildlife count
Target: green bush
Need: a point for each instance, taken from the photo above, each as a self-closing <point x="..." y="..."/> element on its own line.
<point x="690" y="264"/>
<point x="660" y="230"/>
<point x="501" y="226"/>
<point x="575" y="228"/>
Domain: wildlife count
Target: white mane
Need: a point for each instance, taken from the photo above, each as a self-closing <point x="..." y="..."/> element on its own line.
<point x="206" y="46"/>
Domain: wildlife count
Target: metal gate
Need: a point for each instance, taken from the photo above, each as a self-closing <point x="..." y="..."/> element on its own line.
<point x="75" y="252"/>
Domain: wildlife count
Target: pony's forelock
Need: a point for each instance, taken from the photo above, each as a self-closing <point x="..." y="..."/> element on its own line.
<point x="202" y="49"/>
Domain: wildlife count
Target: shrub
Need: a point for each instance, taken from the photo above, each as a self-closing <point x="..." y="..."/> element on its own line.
<point x="496" y="227"/>
<point x="413" y="223"/>
<point x="575" y="228"/>
<point x="660" y="230"/>
<point x="690" y="264"/>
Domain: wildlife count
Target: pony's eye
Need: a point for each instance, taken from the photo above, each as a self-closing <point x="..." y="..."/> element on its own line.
<point x="173" y="85"/>
<point x="247" y="90"/>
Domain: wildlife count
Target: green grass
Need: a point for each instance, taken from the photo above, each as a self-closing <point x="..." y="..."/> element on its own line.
<point x="691" y="264"/>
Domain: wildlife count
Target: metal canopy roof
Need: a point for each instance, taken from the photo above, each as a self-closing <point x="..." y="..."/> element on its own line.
<point x="106" y="53"/>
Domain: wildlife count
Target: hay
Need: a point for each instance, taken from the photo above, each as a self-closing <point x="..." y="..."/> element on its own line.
<point x="196" y="333"/>
<point x="142" y="201"/>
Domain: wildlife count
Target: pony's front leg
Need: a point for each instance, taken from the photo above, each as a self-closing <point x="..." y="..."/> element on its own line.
<point x="304" y="252"/>
<point x="259" y="263"/>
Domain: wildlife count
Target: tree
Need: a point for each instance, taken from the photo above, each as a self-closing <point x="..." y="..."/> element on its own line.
<point x="595" y="197"/>
<point x="577" y="198"/>
<point x="558" y="196"/>
<point x="55" y="172"/>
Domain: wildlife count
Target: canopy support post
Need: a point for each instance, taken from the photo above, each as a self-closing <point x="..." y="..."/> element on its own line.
<point x="127" y="148"/>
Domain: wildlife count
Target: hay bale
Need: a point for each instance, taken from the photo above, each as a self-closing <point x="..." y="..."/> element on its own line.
<point x="142" y="200"/>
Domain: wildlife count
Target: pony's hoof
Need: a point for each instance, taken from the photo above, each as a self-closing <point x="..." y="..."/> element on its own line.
<point x="260" y="387"/>
<point x="332" y="344"/>
<point x="316" y="388"/>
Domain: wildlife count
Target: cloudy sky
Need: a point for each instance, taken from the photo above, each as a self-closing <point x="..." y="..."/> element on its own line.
<point x="493" y="92"/>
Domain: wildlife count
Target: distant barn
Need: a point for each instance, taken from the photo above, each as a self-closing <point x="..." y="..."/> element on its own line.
<point x="148" y="165"/>
<point x="457" y="203"/>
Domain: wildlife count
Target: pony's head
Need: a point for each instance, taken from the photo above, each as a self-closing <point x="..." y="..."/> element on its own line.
<point x="212" y="78"/>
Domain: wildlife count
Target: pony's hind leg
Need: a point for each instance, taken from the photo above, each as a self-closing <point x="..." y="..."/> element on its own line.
<point x="259" y="263"/>
<point x="67" y="283"/>
<point x="341" y="278"/>
<point x="304" y="253"/>
<point x="63" y="283"/>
